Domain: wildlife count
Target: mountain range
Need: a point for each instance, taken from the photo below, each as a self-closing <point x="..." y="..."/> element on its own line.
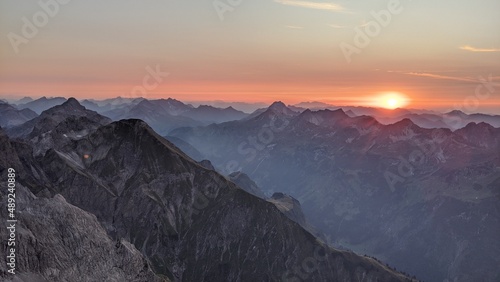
<point x="204" y="114"/>
<point x="423" y="200"/>
<point x="163" y="115"/>
<point x="115" y="200"/>
<point x="453" y="120"/>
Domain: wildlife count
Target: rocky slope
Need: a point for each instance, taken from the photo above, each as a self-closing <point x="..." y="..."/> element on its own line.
<point x="56" y="241"/>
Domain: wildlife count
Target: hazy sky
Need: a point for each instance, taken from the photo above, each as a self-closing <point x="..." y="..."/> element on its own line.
<point x="432" y="52"/>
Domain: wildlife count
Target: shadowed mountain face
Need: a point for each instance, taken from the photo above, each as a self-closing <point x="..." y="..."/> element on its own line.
<point x="191" y="223"/>
<point x="56" y="241"/>
<point x="424" y="200"/>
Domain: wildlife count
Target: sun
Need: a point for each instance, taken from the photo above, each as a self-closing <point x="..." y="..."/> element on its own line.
<point x="391" y="100"/>
<point x="392" y="103"/>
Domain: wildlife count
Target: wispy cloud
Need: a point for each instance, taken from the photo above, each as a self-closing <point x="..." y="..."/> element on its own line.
<point x="438" y="76"/>
<point x="337" y="26"/>
<point x="294" y="27"/>
<point x="474" y="49"/>
<point x="446" y="77"/>
<point x="312" y="5"/>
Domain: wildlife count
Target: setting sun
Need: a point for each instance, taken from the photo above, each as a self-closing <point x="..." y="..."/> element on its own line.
<point x="391" y="100"/>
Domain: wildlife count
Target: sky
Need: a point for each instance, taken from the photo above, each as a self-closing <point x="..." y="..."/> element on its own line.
<point x="421" y="54"/>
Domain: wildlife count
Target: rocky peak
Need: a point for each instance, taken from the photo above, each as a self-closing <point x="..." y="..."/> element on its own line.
<point x="402" y="124"/>
<point x="323" y="117"/>
<point x="279" y="107"/>
<point x="69" y="107"/>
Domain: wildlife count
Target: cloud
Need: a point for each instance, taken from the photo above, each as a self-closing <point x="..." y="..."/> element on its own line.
<point x="438" y="76"/>
<point x="337" y="26"/>
<point x="294" y="27"/>
<point x="474" y="49"/>
<point x="447" y="77"/>
<point x="312" y="5"/>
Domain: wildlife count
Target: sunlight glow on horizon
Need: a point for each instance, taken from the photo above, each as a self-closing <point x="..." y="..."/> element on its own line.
<point x="392" y="100"/>
<point x="95" y="49"/>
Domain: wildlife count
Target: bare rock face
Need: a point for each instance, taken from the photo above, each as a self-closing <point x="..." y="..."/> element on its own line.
<point x="56" y="241"/>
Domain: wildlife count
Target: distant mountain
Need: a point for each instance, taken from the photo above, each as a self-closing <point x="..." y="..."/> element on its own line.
<point x="118" y="101"/>
<point x="278" y="108"/>
<point x="313" y="105"/>
<point x="156" y="113"/>
<point x="424" y="118"/>
<point x="91" y="106"/>
<point x="350" y="113"/>
<point x="173" y="107"/>
<point x="191" y="223"/>
<point x="109" y="106"/>
<point x="10" y="116"/>
<point x="167" y="114"/>
<point x="24" y="100"/>
<point x="240" y="106"/>
<point x="70" y="117"/>
<point x="170" y="106"/>
<point x="424" y="200"/>
<point x="453" y="120"/>
<point x="186" y="148"/>
<point x="42" y="104"/>
<point x="247" y="184"/>
<point x="209" y="114"/>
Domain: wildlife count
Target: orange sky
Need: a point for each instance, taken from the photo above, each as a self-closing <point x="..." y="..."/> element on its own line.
<point x="261" y="51"/>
